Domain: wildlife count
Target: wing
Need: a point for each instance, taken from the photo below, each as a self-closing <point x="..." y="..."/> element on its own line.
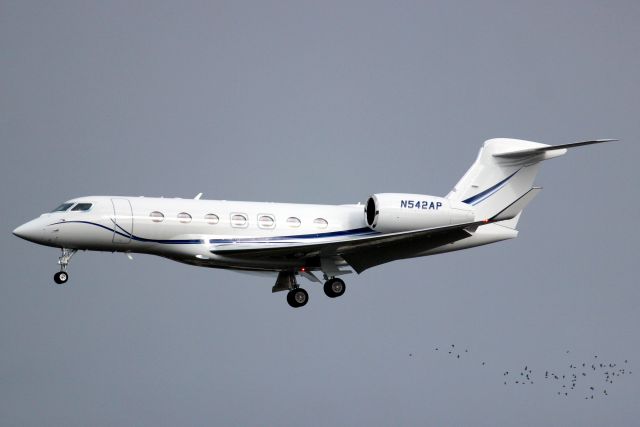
<point x="360" y="252"/>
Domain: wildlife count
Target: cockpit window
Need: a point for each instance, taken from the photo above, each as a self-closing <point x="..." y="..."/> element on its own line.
<point x="63" y="207"/>
<point x="82" y="207"/>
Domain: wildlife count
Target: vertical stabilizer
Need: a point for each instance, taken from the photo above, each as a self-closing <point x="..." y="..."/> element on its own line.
<point x="494" y="183"/>
<point x="499" y="184"/>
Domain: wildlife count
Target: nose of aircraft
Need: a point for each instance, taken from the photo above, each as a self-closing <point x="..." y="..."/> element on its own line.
<point x="28" y="231"/>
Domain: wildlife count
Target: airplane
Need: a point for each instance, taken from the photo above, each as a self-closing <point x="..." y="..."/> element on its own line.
<point x="305" y="240"/>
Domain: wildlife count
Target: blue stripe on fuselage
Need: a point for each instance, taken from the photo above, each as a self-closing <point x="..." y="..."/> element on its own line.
<point x="134" y="237"/>
<point x="483" y="195"/>
<point x="264" y="239"/>
<point x="270" y="239"/>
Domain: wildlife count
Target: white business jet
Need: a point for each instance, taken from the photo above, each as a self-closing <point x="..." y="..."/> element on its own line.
<point x="301" y="240"/>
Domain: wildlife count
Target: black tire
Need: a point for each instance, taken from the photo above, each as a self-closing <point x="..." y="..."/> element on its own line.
<point x="333" y="288"/>
<point x="297" y="298"/>
<point x="290" y="299"/>
<point x="61" y="277"/>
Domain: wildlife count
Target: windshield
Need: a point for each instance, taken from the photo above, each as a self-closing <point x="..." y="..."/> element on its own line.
<point x="82" y="207"/>
<point x="63" y="207"/>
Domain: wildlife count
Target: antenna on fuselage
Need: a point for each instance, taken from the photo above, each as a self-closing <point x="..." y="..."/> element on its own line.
<point x="198" y="196"/>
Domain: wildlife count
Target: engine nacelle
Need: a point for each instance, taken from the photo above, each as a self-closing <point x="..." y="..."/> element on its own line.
<point x="392" y="212"/>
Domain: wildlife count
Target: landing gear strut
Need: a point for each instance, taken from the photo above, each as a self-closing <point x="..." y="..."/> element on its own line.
<point x="334" y="287"/>
<point x="62" y="276"/>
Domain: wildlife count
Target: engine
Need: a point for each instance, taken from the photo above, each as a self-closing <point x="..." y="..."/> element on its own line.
<point x="392" y="212"/>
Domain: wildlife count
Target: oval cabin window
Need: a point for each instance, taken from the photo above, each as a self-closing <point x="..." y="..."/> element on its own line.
<point x="320" y="222"/>
<point x="212" y="218"/>
<point x="184" y="217"/>
<point x="293" y="222"/>
<point x="238" y="220"/>
<point x="156" y="216"/>
<point x="266" y="221"/>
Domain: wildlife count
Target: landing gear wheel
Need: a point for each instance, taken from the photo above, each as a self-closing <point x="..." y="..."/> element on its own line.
<point x="334" y="288"/>
<point x="297" y="297"/>
<point x="63" y="261"/>
<point x="60" y="277"/>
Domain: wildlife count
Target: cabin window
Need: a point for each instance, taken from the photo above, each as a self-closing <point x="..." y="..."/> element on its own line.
<point x="320" y="222"/>
<point x="293" y="222"/>
<point x="239" y="220"/>
<point x="184" y="217"/>
<point x="266" y="221"/>
<point x="63" y="207"/>
<point x="156" y="216"/>
<point x="212" y="218"/>
<point x="82" y="207"/>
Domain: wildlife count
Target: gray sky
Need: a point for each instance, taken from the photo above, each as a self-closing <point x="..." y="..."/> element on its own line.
<point x="322" y="102"/>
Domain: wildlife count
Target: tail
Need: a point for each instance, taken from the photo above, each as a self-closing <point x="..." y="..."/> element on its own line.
<point x="499" y="184"/>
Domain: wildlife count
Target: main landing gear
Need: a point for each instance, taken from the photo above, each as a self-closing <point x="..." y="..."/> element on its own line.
<point x="62" y="276"/>
<point x="334" y="287"/>
<point x="298" y="297"/>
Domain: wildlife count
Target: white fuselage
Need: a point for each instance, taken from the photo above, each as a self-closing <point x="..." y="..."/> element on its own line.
<point x="186" y="230"/>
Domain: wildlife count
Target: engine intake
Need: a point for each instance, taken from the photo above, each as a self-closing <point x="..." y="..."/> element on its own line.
<point x="393" y="212"/>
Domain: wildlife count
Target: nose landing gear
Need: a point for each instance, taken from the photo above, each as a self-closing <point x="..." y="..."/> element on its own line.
<point x="62" y="276"/>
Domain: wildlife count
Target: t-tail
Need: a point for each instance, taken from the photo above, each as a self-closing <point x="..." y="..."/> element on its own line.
<point x="499" y="184"/>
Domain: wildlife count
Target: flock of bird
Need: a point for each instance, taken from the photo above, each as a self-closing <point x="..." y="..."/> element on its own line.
<point x="596" y="375"/>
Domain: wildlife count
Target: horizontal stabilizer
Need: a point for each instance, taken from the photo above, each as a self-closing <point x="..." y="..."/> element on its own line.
<point x="540" y="150"/>
<point x="517" y="206"/>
